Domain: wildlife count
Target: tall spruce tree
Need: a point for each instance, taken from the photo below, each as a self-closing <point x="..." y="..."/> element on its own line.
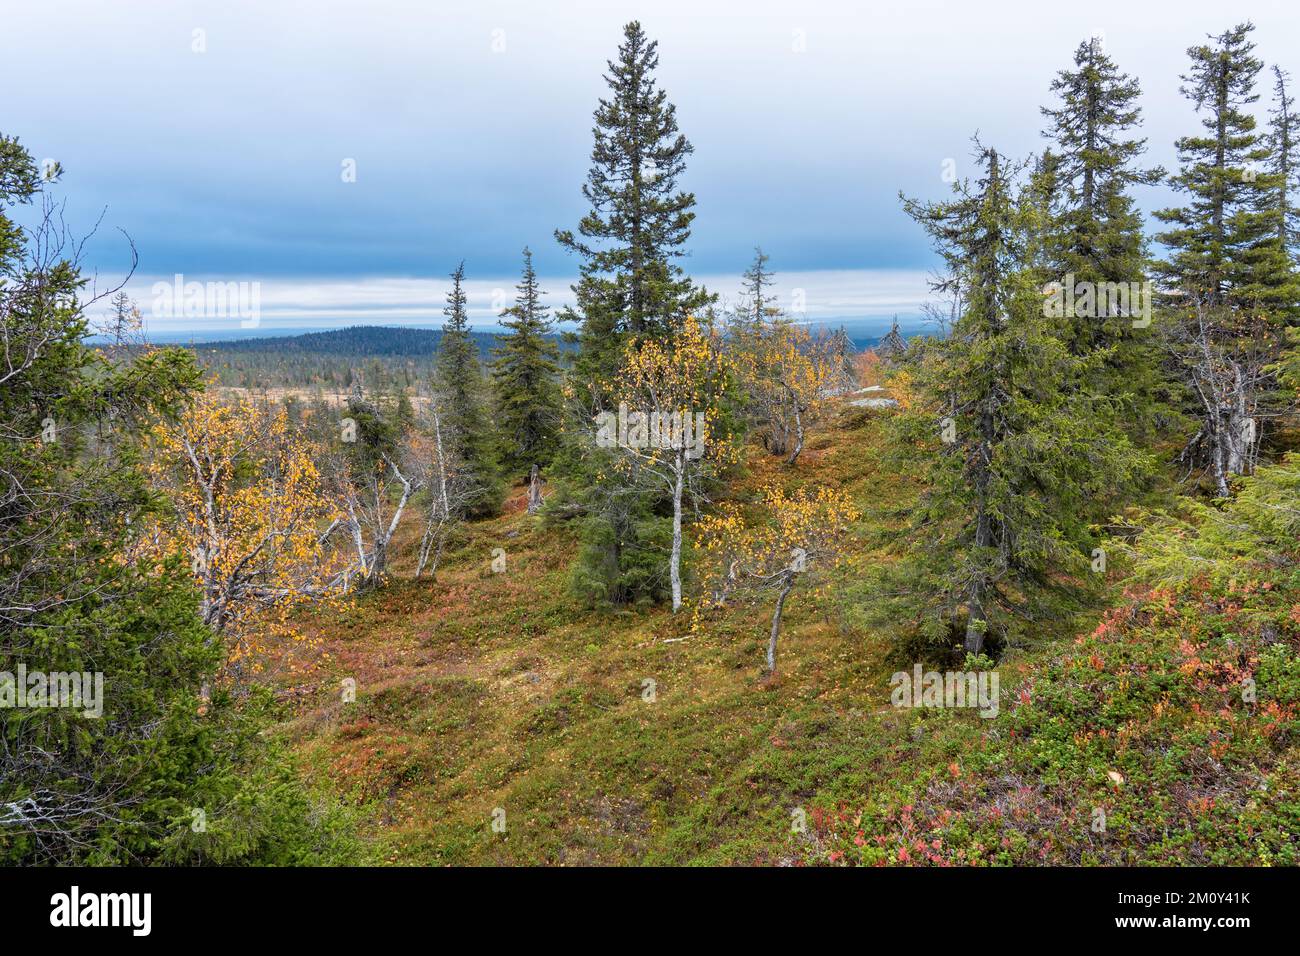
<point x="1027" y="445"/>
<point x="525" y="373"/>
<point x="1090" y="230"/>
<point x="634" y="233"/>
<point x="1284" y="142"/>
<point x="1228" y="275"/>
<point x="630" y="286"/>
<point x="460" y="378"/>
<point x="1094" y="232"/>
<point x="1223" y="247"/>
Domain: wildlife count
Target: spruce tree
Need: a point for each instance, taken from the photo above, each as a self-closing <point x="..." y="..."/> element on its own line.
<point x="78" y="595"/>
<point x="460" y="378"/>
<point x="1027" y="447"/>
<point x="756" y="305"/>
<point x="630" y="286"/>
<point x="638" y="222"/>
<point x="525" y="373"/>
<point x="1283" y="139"/>
<point x="1094" y="230"/>
<point x="1228" y="275"/>
<point x="1091" y="231"/>
<point x="1223" y="249"/>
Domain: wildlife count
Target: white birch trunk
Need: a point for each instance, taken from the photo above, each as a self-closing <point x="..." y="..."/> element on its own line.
<point x="675" y="562"/>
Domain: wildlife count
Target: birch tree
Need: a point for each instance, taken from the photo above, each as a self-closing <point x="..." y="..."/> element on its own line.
<point x="103" y="784"/>
<point x="798" y="534"/>
<point x="249" y="513"/>
<point x="665" y="430"/>
<point x="786" y="375"/>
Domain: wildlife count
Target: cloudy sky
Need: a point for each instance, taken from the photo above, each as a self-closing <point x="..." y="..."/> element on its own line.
<point x="216" y="133"/>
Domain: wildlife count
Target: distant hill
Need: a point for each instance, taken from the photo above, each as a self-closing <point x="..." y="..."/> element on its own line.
<point x="330" y="359"/>
<point x="364" y="341"/>
<point x="358" y="341"/>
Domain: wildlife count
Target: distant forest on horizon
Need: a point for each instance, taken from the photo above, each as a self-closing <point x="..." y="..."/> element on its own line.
<point x="385" y="355"/>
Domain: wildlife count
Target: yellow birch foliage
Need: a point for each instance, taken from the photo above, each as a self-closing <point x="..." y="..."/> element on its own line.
<point x="787" y="375"/>
<point x="687" y="374"/>
<point x="798" y="532"/>
<point x="247" y="514"/>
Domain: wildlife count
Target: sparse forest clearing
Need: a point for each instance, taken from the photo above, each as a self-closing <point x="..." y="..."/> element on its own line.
<point x="850" y="439"/>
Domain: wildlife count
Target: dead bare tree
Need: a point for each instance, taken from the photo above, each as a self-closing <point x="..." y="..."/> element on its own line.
<point x="450" y="491"/>
<point x="1231" y="378"/>
<point x="374" y="477"/>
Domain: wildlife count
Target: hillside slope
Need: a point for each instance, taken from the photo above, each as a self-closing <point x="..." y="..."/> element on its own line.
<point x="486" y="692"/>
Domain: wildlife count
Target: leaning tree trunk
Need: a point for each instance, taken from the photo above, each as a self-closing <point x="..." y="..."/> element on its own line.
<point x="787" y="584"/>
<point x="383" y="535"/>
<point x="435" y="521"/>
<point x="442" y="465"/>
<point x="431" y="547"/>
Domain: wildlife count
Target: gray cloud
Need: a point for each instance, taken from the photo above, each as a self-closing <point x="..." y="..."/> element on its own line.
<point x="807" y="118"/>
